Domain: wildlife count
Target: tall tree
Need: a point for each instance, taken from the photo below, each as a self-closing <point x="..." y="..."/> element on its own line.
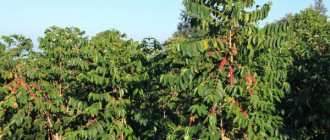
<point x="232" y="77"/>
<point x="186" y="28"/>
<point x="319" y="6"/>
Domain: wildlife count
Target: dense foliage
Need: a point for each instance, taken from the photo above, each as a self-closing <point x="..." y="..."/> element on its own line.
<point x="306" y="113"/>
<point x="233" y="76"/>
<point x="220" y="77"/>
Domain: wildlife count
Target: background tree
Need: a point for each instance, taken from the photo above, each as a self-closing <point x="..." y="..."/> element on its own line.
<point x="319" y="6"/>
<point x="187" y="27"/>
<point x="306" y="107"/>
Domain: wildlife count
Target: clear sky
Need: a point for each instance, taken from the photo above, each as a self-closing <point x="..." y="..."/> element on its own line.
<point x="136" y="18"/>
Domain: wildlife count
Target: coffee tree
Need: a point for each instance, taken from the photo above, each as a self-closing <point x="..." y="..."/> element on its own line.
<point x="233" y="76"/>
<point x="95" y="79"/>
<point x="74" y="88"/>
<point x="28" y="103"/>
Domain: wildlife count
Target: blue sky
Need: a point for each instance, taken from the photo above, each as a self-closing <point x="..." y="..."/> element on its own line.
<point x="136" y="18"/>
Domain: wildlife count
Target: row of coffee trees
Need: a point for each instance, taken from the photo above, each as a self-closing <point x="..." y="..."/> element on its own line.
<point x="221" y="77"/>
